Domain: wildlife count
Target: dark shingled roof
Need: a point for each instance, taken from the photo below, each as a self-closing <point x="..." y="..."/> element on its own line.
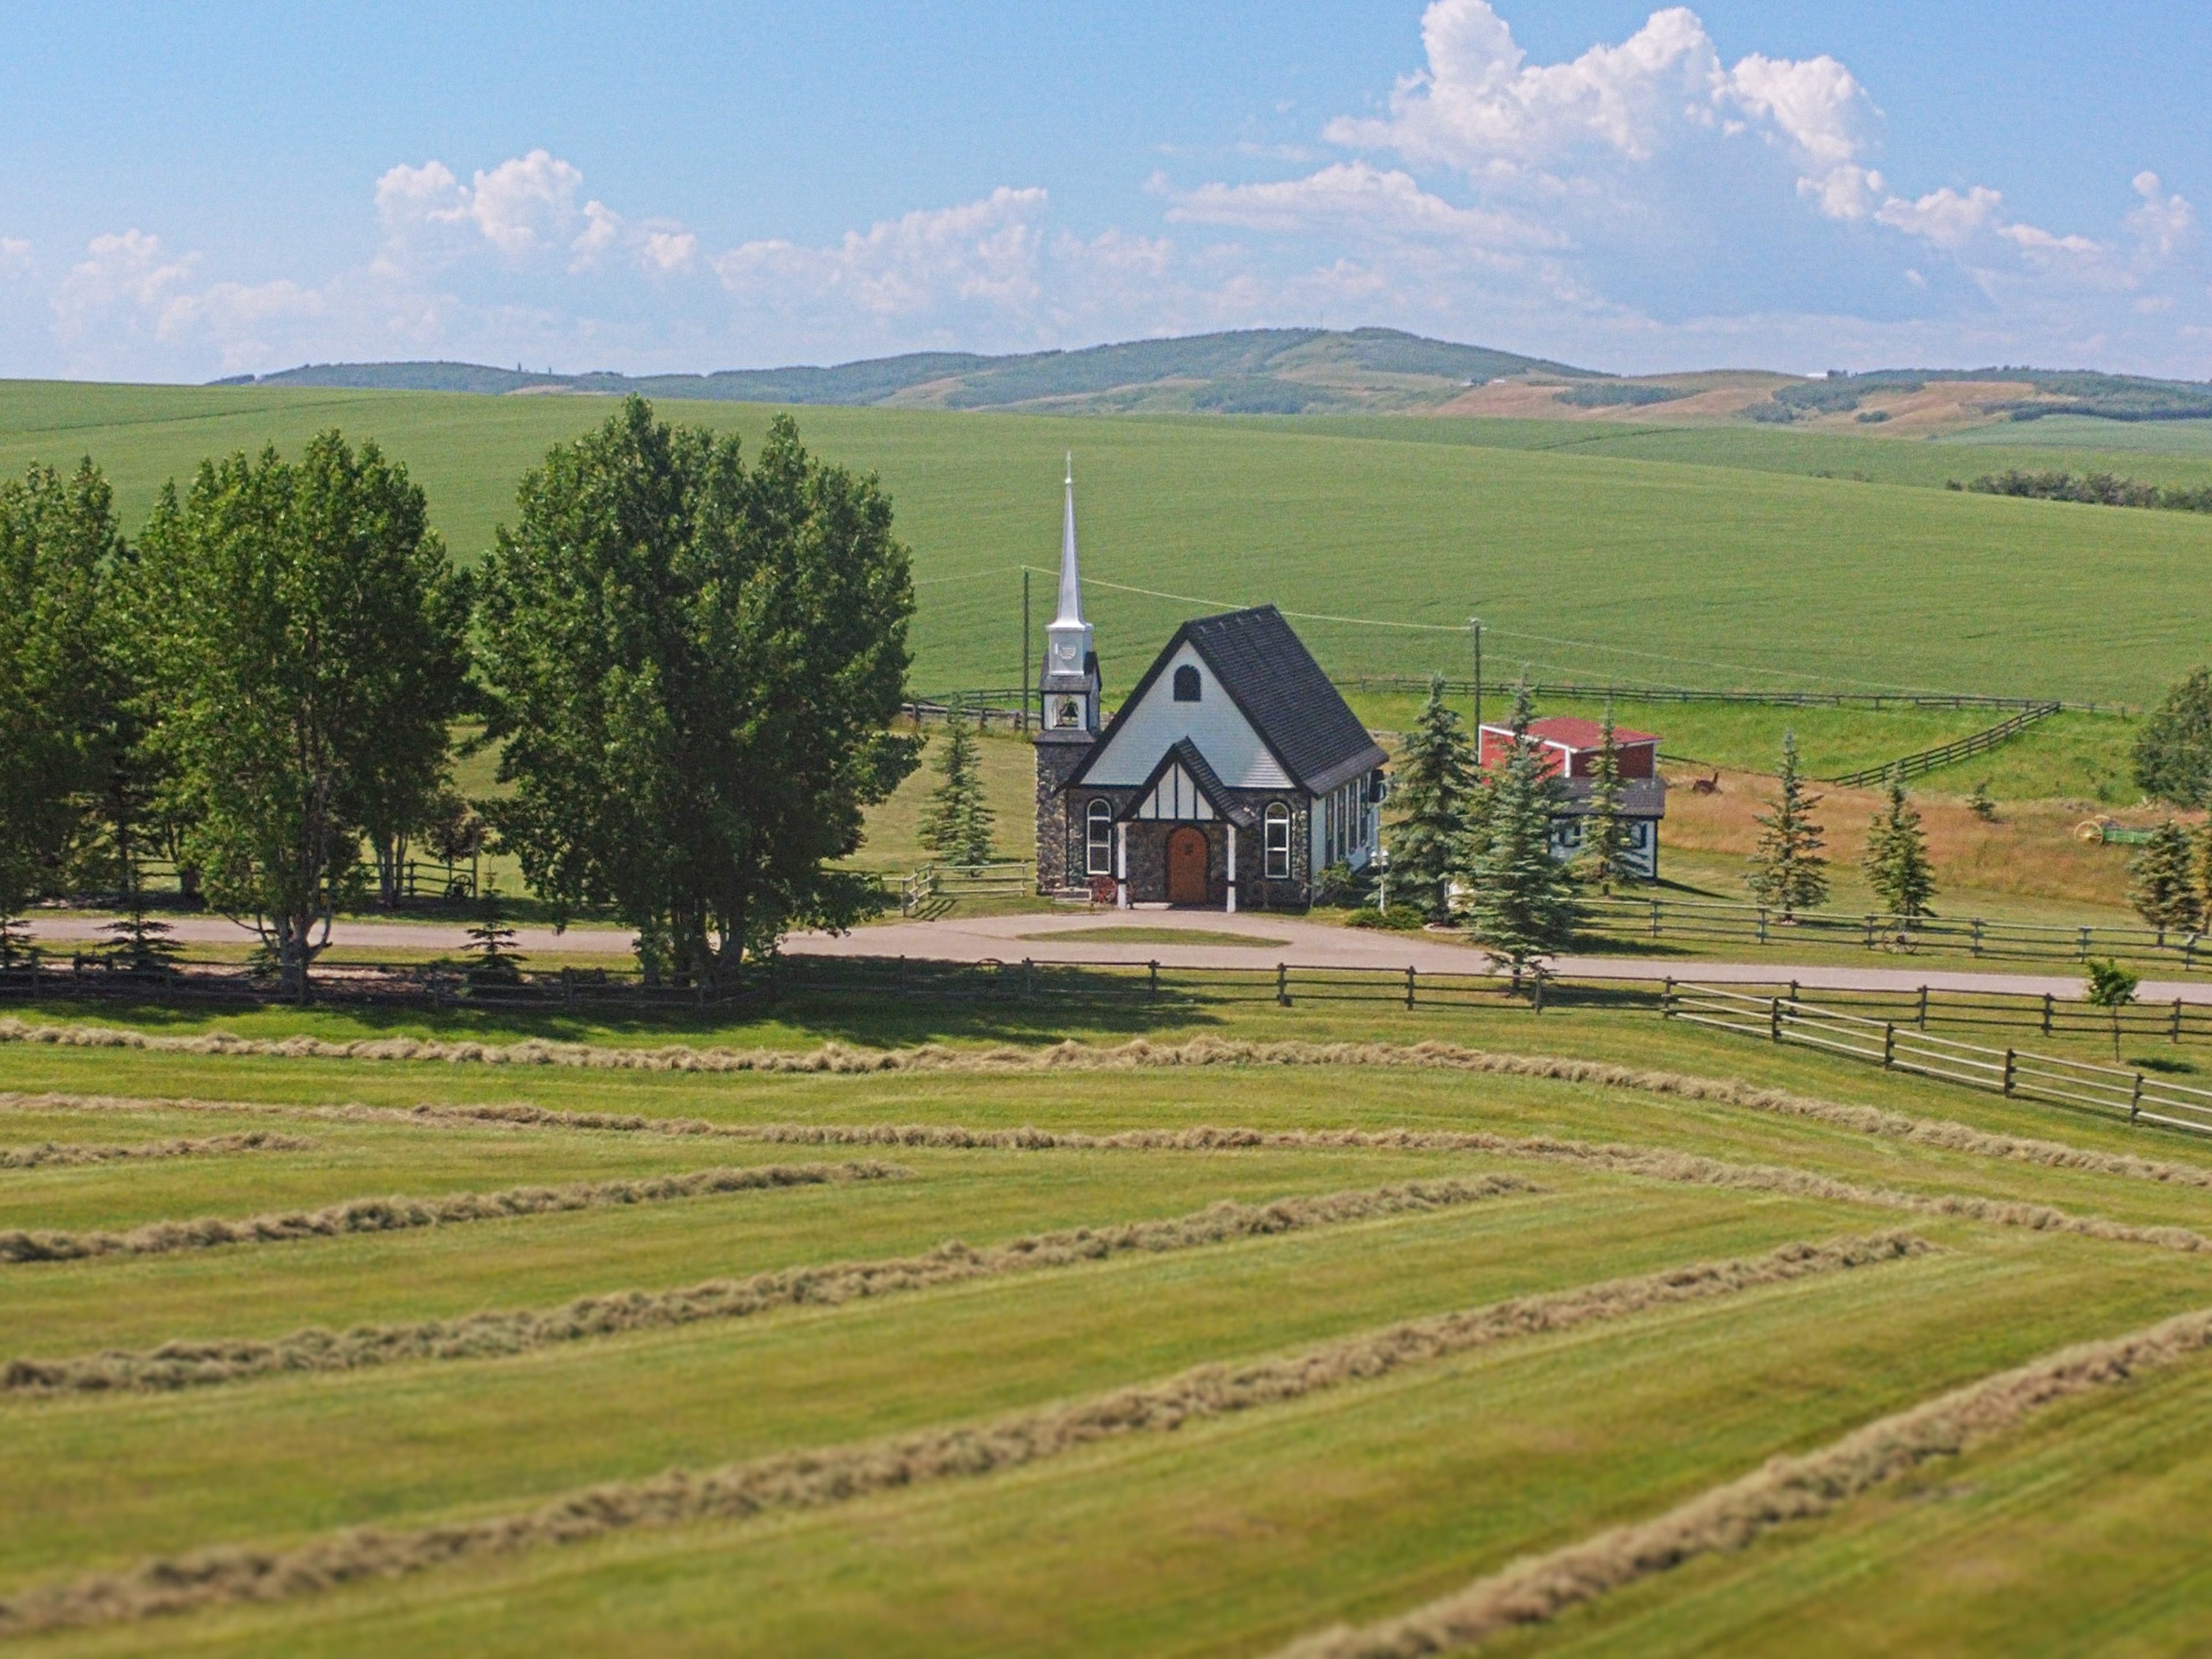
<point x="1183" y="749"/>
<point x="1273" y="678"/>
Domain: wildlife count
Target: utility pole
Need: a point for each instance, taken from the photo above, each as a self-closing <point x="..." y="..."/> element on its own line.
<point x="1023" y="682"/>
<point x="1475" y="623"/>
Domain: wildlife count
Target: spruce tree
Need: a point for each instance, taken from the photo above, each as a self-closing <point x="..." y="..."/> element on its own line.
<point x="1787" y="870"/>
<point x="1432" y="789"/>
<point x="2163" y="888"/>
<point x="2204" y="875"/>
<point x="1523" y="904"/>
<point x="1605" y="832"/>
<point x="1896" y="862"/>
<point x="958" y="823"/>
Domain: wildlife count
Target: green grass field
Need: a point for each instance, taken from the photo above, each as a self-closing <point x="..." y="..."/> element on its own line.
<point x="1225" y="1517"/>
<point x="1699" y="557"/>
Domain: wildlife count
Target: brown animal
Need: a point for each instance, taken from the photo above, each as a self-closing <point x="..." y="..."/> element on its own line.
<point x="1711" y="785"/>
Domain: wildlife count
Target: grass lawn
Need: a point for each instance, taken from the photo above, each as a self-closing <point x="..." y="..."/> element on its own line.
<point x="1110" y="935"/>
<point x="1355" y="1500"/>
<point x="1700" y="556"/>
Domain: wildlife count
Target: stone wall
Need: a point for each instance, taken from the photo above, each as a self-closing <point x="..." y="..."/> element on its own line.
<point x="1059" y="840"/>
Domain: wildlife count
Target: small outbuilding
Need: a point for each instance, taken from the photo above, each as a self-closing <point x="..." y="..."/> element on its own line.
<point x="1571" y="747"/>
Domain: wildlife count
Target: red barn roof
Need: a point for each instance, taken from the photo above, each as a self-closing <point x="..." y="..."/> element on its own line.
<point x="1570" y="731"/>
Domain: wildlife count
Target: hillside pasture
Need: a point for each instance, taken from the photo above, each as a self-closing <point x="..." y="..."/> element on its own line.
<point x="1700" y="556"/>
<point x="1178" y="1393"/>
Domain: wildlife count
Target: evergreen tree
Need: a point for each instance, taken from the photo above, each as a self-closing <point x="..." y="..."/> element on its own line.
<point x="1523" y="903"/>
<point x="1787" y="870"/>
<point x="141" y="943"/>
<point x="1605" y="832"/>
<point x="957" y="826"/>
<point x="1432" y="787"/>
<point x="2163" y="888"/>
<point x="2204" y="875"/>
<point x="2110" y="987"/>
<point x="1982" y="803"/>
<point x="493" y="942"/>
<point x="1896" y="862"/>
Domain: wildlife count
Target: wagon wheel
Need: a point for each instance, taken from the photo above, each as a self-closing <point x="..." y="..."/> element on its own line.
<point x="2091" y="828"/>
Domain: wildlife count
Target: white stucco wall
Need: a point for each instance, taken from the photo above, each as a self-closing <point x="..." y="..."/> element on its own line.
<point x="1223" y="735"/>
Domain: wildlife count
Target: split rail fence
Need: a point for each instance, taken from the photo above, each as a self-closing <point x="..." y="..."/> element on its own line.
<point x="1898" y="1046"/>
<point x="1972" y="936"/>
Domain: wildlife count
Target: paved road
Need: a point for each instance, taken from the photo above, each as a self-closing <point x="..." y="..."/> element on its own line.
<point x="1073" y="937"/>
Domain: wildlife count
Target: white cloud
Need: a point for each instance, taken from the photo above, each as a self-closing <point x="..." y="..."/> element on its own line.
<point x="667" y="250"/>
<point x="2163" y="222"/>
<point x="1354" y="193"/>
<point x="985" y="252"/>
<point x="14" y="257"/>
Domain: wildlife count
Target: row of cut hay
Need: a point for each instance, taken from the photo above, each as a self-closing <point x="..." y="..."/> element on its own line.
<point x="834" y="1475"/>
<point x="1734" y="1516"/>
<point x="385" y="1215"/>
<point x="1613" y="1159"/>
<point x="186" y="1364"/>
<point x="1647" y="1161"/>
<point x="834" y="1058"/>
<point x="49" y="1152"/>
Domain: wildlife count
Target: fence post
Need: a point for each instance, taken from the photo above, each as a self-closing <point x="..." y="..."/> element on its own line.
<point x="1870" y="932"/>
<point x="1152" y="980"/>
<point x="1655" y="918"/>
<point x="1667" y="998"/>
<point x="2084" y="955"/>
<point x="1794" y="997"/>
<point x="1028" y="980"/>
<point x="1888" y="1044"/>
<point x="1923" y="1008"/>
<point x="1762" y="924"/>
<point x="2177" y="1019"/>
<point x="2135" y="1106"/>
<point x="1536" y="997"/>
<point x="1978" y="937"/>
<point x="1774" y="1018"/>
<point x="1283" y="984"/>
<point x="2046" y="1013"/>
<point x="1409" y="1000"/>
<point x="2011" y="1060"/>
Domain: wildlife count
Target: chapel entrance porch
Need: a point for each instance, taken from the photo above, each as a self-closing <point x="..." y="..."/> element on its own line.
<point x="1183" y="866"/>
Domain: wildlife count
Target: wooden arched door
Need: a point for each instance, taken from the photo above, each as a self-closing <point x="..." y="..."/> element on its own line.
<point x="1187" y="862"/>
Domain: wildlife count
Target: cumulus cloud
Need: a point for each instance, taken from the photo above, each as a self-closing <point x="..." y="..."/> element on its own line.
<point x="984" y="252"/>
<point x="1353" y="193"/>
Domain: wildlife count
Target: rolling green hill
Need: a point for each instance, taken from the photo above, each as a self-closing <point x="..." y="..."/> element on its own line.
<point x="1704" y="557"/>
<point x="1278" y="371"/>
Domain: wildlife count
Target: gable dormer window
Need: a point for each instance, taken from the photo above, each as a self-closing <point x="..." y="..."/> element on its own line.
<point x="1185" y="684"/>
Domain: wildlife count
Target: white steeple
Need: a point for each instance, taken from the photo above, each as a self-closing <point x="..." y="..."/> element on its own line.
<point x="1068" y="644"/>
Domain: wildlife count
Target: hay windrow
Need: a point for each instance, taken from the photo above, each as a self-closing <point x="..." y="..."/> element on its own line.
<point x="1734" y="1516"/>
<point x="837" y="1059"/>
<point x="185" y="1365"/>
<point x="396" y="1214"/>
<point x="51" y="1152"/>
<point x="813" y="1479"/>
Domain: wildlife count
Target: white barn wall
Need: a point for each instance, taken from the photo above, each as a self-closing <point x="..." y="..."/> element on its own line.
<point x="1223" y="735"/>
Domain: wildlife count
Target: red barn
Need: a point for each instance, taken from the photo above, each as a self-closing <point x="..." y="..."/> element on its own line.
<point x="1569" y="748"/>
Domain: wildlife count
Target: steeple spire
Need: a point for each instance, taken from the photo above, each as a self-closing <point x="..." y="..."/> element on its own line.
<point x="1071" y="582"/>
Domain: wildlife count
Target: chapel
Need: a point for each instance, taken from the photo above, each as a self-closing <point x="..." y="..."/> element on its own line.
<point x="1229" y="777"/>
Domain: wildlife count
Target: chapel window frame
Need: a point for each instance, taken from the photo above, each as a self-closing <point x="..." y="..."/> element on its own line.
<point x="1098" y="838"/>
<point x="1189" y="685"/>
<point x="1276" y="840"/>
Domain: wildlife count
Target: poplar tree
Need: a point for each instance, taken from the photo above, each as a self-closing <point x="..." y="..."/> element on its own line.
<point x="696" y="664"/>
<point x="1605" y="832"/>
<point x="1787" y="870"/>
<point x="57" y="546"/>
<point x="957" y="823"/>
<point x="1433" y="786"/>
<point x="1896" y="862"/>
<point x="1523" y="904"/>
<point x="2163" y="884"/>
<point x="284" y="599"/>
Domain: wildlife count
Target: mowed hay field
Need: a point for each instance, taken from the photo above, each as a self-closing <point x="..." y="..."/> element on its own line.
<point x="1699" y="557"/>
<point x="610" y="1350"/>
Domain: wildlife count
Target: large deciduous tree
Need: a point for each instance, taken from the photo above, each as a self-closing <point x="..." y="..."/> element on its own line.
<point x="294" y="605"/>
<point x="58" y="547"/>
<point x="694" y="664"/>
<point x="2173" y="750"/>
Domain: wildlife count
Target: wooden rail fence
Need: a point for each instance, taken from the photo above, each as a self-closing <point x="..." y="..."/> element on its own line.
<point x="1928" y="760"/>
<point x="1896" y="1047"/>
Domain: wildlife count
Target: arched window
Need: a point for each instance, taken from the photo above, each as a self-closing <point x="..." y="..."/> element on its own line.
<point x="1185" y="684"/>
<point x="1098" y="840"/>
<point x="1279" y="841"/>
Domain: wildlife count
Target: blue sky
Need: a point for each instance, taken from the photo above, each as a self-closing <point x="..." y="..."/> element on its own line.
<point x="203" y="191"/>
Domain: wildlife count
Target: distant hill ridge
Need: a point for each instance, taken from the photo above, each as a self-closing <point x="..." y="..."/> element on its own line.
<point x="1301" y="371"/>
<point x="1275" y="371"/>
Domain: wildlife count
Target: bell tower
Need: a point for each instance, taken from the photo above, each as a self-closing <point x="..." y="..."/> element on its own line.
<point x="1068" y="701"/>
